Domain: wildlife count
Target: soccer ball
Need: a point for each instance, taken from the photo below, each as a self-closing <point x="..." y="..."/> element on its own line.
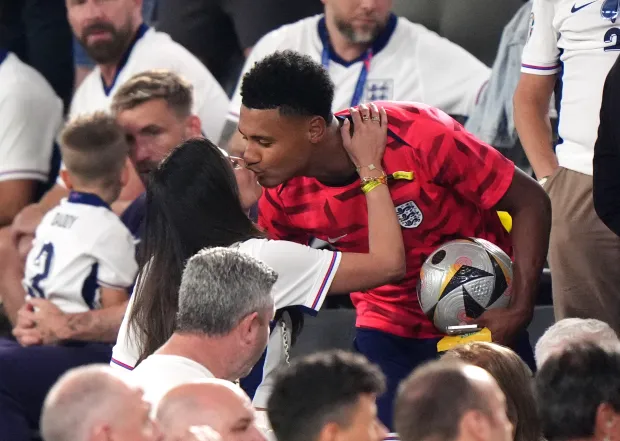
<point x="463" y="278"/>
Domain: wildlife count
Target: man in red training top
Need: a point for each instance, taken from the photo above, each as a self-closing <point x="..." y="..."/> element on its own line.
<point x="294" y="146"/>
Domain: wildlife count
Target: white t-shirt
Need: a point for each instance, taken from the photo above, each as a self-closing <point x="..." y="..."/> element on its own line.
<point x="409" y="63"/>
<point x="304" y="278"/>
<point x="573" y="34"/>
<point x="158" y="374"/>
<point x="79" y="246"/>
<point x="156" y="50"/>
<point x="30" y="118"/>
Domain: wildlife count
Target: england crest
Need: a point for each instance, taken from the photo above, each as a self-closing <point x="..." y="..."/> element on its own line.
<point x="409" y="215"/>
<point x="380" y="90"/>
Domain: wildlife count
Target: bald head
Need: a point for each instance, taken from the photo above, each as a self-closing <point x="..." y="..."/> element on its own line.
<point x="92" y="399"/>
<point x="216" y="403"/>
<point x="433" y="401"/>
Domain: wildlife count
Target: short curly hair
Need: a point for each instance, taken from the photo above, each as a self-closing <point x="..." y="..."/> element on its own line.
<point x="291" y="82"/>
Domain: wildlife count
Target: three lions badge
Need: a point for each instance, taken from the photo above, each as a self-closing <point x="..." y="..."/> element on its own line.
<point x="409" y="215"/>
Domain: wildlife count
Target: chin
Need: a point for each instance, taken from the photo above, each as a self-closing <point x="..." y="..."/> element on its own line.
<point x="270" y="181"/>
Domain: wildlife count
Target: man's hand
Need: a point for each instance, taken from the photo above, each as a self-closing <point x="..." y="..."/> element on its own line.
<point x="505" y="324"/>
<point x="49" y="322"/>
<point x="24" y="330"/>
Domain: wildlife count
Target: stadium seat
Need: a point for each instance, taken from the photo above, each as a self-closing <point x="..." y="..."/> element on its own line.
<point x="476" y="25"/>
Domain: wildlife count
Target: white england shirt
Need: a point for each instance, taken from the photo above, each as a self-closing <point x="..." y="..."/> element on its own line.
<point x="160" y="373"/>
<point x="304" y="278"/>
<point x="573" y="37"/>
<point x="409" y="63"/>
<point x="79" y="246"/>
<point x="156" y="50"/>
<point x="31" y="116"/>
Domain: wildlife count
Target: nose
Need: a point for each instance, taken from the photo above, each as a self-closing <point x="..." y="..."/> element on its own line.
<point x="140" y="152"/>
<point x="250" y="154"/>
<point x="369" y="5"/>
<point x="93" y="10"/>
<point x="382" y="432"/>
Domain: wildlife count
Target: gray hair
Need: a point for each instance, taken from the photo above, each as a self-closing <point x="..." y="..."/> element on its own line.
<point x="220" y="286"/>
<point x="574" y="330"/>
<point x="80" y="399"/>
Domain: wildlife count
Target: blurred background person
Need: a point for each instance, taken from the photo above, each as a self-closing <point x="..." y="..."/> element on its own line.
<point x="578" y="394"/>
<point x="339" y="391"/>
<point x="451" y="401"/>
<point x="513" y="377"/>
<point x="219" y="404"/>
<point x="574" y="330"/>
<point x="92" y="403"/>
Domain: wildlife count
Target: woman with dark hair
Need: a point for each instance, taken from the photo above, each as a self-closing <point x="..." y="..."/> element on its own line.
<point x="194" y="201"/>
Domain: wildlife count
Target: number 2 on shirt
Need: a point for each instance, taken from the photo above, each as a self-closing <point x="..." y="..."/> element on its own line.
<point x="609" y="38"/>
<point x="43" y="261"/>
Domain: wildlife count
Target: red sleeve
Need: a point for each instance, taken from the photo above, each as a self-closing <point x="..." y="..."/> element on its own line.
<point x="455" y="159"/>
<point x="274" y="221"/>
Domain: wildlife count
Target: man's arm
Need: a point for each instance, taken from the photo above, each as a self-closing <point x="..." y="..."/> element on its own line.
<point x="531" y="113"/>
<point x="41" y="322"/>
<point x="14" y="196"/>
<point x="607" y="155"/>
<point x="530" y="209"/>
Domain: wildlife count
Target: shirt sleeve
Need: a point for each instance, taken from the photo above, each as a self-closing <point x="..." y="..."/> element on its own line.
<point x="455" y="159"/>
<point x="125" y="352"/>
<point x="273" y="219"/>
<point x="455" y="91"/>
<point x="115" y="254"/>
<point x="541" y="55"/>
<point x="304" y="274"/>
<point x="607" y="154"/>
<point x="25" y="148"/>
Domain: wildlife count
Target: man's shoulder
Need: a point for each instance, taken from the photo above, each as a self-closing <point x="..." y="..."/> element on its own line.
<point x="289" y="36"/>
<point x="157" y="50"/>
<point x="23" y="81"/>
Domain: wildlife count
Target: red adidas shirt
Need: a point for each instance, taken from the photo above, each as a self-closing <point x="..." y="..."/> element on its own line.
<point x="458" y="180"/>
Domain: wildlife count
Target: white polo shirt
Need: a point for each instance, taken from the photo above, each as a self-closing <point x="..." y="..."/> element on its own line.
<point x="158" y="374"/>
<point x="304" y="278"/>
<point x="156" y="50"/>
<point x="409" y="63"/>
<point x="30" y="118"/>
<point x="573" y="37"/>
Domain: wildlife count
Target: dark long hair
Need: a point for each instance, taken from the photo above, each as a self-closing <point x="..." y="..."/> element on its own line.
<point x="192" y="202"/>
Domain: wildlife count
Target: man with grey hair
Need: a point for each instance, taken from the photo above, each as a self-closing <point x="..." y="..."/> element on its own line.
<point x="447" y="400"/>
<point x="222" y="326"/>
<point x="574" y="330"/>
<point x="92" y="403"/>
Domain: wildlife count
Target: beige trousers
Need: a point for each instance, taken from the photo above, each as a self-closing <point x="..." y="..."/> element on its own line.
<point x="584" y="255"/>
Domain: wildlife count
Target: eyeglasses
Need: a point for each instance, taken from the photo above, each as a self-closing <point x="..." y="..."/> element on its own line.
<point x="609" y="10"/>
<point x="236" y="162"/>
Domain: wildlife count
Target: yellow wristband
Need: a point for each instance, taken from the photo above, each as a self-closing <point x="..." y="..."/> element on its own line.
<point x="369" y="186"/>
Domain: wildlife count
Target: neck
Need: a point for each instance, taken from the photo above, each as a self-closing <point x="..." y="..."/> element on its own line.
<point x="331" y="163"/>
<point x="109" y="70"/>
<point x="214" y="353"/>
<point x="109" y="196"/>
<point x="345" y="49"/>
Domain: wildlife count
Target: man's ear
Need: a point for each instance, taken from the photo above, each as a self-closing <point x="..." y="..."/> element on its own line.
<point x="248" y="327"/>
<point x="66" y="178"/>
<point x="330" y="432"/>
<point x="317" y="127"/>
<point x="475" y="426"/>
<point x="193" y="127"/>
